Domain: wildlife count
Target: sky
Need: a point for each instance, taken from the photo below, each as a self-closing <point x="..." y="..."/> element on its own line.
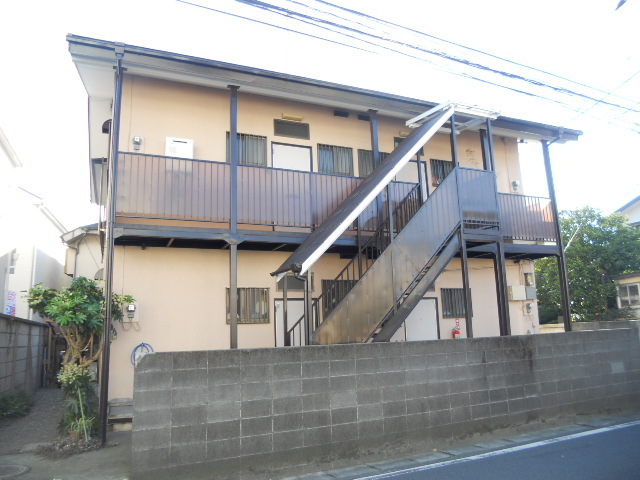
<point x="43" y="104"/>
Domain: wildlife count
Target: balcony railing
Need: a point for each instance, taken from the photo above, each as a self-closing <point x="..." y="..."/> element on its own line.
<point x="198" y="190"/>
<point x="526" y="218"/>
<point x="167" y="188"/>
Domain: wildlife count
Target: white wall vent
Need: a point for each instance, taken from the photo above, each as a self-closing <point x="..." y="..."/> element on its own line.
<point x="179" y="147"/>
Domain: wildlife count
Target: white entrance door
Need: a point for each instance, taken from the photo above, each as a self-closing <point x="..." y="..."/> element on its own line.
<point x="291" y="157"/>
<point x="421" y="324"/>
<point x="295" y="310"/>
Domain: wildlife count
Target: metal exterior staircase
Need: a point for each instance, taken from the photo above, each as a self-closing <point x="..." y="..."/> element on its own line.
<point x="373" y="305"/>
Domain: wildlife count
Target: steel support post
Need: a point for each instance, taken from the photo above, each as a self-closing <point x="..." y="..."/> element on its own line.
<point x="454" y="142"/>
<point x="421" y="180"/>
<point x="308" y="307"/>
<point x="499" y="267"/>
<point x="375" y="153"/>
<point x="486" y="155"/>
<point x="491" y="148"/>
<point x="233" y="250"/>
<point x="562" y="263"/>
<point x="359" y="246"/>
<point x="112" y="180"/>
<point x="468" y="307"/>
<point x="285" y="313"/>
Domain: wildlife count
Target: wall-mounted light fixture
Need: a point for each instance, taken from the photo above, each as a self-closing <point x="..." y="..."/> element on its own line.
<point x="293" y="118"/>
<point x="516" y="185"/>
<point x="137" y="142"/>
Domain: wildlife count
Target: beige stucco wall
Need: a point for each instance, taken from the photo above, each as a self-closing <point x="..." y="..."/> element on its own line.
<point x="484" y="298"/>
<point x="181" y="297"/>
<point x="182" y="305"/>
<point x="155" y="109"/>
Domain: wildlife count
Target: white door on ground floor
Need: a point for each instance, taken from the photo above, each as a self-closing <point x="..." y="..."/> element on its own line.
<point x="295" y="310"/>
<point x="422" y="323"/>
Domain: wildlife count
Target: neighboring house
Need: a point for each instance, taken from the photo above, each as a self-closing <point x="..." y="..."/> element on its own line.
<point x="632" y="211"/>
<point x="84" y="255"/>
<point x="30" y="249"/>
<point x="628" y="284"/>
<point x="223" y="171"/>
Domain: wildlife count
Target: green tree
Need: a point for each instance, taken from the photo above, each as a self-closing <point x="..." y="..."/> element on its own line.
<point x="78" y="313"/>
<point x="596" y="248"/>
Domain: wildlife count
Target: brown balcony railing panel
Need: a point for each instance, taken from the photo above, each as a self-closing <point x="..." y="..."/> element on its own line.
<point x="172" y="188"/>
<point x="526" y="218"/>
<point x="198" y="190"/>
<point x="478" y="198"/>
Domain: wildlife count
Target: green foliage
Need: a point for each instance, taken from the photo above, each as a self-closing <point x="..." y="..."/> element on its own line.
<point x="79" y="400"/>
<point x="13" y="406"/>
<point x="78" y="311"/>
<point x="596" y="248"/>
<point x="79" y="306"/>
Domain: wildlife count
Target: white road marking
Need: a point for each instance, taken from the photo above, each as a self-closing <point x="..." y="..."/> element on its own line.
<point x="495" y="453"/>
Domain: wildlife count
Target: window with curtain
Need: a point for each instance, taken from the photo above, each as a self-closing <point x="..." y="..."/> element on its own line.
<point x="336" y="160"/>
<point x="252" y="149"/>
<point x="253" y="305"/>
<point x="365" y="161"/>
<point x="439" y="170"/>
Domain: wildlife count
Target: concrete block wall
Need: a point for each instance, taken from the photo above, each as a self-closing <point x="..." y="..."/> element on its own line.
<point x="21" y="347"/>
<point x="583" y="326"/>
<point x="274" y="412"/>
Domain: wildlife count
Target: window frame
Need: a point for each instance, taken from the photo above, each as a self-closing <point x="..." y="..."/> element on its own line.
<point x="245" y="316"/>
<point x="242" y="137"/>
<point x="453" y="302"/>
<point x="627" y="286"/>
<point x="333" y="149"/>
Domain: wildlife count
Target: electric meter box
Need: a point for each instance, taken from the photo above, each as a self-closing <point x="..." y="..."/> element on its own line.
<point x="179" y="147"/>
<point x="517" y="292"/>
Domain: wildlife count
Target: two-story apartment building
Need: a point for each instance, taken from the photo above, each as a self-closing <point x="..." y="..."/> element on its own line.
<point x="249" y="208"/>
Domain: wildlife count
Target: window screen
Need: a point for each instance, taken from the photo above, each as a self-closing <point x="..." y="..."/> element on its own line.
<point x="453" y="302"/>
<point x="253" y="305"/>
<point x="336" y="160"/>
<point x="252" y="149"/>
<point x="439" y="170"/>
<point x="283" y="128"/>
<point x="365" y="161"/>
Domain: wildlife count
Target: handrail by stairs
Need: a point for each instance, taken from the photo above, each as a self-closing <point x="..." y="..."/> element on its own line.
<point x="362" y="261"/>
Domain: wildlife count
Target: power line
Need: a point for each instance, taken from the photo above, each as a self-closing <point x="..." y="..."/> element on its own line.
<point x="386" y="22"/>
<point x="325" y="25"/>
<point x="270" y="25"/>
<point x="299" y="16"/>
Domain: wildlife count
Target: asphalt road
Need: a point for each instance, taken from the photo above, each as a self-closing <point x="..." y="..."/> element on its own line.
<point x="611" y="453"/>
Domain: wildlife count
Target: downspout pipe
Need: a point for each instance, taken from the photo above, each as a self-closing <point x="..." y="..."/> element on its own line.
<point x="112" y="169"/>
